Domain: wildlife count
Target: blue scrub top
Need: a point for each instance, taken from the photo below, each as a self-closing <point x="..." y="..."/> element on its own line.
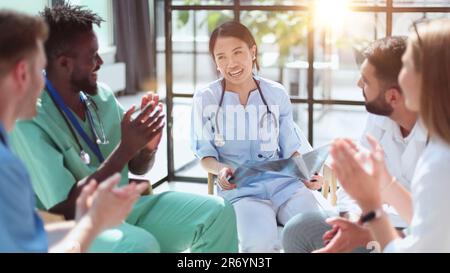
<point x="21" y="229"/>
<point x="250" y="135"/>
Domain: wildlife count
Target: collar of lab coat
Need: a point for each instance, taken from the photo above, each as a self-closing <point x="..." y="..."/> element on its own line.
<point x="408" y="159"/>
<point x="386" y="124"/>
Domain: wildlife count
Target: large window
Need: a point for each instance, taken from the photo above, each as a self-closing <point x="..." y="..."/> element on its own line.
<point x="30" y="7"/>
<point x="104" y="9"/>
<point x="312" y="47"/>
<point x="101" y="7"/>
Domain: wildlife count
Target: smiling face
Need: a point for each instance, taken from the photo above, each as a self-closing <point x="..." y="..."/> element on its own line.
<point x="234" y="59"/>
<point x="86" y="63"/>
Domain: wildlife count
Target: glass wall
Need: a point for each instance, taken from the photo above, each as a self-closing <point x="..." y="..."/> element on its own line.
<point x="312" y="47"/>
<point x="30" y="7"/>
<point x="104" y="9"/>
<point x="101" y="7"/>
<point x="402" y="21"/>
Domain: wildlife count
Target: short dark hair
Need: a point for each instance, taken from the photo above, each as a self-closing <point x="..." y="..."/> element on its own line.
<point x="19" y="36"/>
<point x="386" y="56"/>
<point x="236" y="30"/>
<point x="66" y="23"/>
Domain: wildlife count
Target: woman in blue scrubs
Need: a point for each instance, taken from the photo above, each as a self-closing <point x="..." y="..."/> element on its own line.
<point x="243" y="117"/>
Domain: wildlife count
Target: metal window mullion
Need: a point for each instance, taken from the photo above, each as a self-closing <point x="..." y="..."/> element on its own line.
<point x="389" y="18"/>
<point x="194" y="53"/>
<point x="237" y="10"/>
<point x="190" y="179"/>
<point x="236" y="7"/>
<point x="310" y="83"/>
<point x="169" y="87"/>
<point x="305" y="8"/>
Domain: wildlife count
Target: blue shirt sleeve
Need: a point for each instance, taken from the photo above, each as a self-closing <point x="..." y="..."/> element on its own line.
<point x="21" y="229"/>
<point x="202" y="135"/>
<point x="291" y="137"/>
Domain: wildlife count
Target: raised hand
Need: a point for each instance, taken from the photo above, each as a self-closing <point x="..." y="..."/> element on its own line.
<point x="106" y="205"/>
<point x="144" y="129"/>
<point x="153" y="144"/>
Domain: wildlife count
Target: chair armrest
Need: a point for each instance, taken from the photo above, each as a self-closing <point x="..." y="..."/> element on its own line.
<point x="210" y="183"/>
<point x="330" y="184"/>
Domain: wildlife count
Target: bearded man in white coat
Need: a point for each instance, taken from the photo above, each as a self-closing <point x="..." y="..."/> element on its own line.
<point x="403" y="139"/>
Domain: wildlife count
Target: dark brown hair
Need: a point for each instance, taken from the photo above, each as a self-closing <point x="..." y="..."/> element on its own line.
<point x="19" y="36"/>
<point x="386" y="56"/>
<point x="236" y="30"/>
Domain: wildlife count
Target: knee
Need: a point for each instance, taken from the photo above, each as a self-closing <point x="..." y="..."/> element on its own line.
<point x="223" y="211"/>
<point x="259" y="242"/>
<point x="141" y="241"/>
<point x="125" y="239"/>
<point x="302" y="222"/>
<point x="228" y="213"/>
<point x="298" y="231"/>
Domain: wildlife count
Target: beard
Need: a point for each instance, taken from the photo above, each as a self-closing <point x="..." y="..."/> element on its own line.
<point x="84" y="83"/>
<point x="378" y="106"/>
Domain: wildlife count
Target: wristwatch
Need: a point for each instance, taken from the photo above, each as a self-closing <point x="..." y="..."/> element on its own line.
<point x="370" y="216"/>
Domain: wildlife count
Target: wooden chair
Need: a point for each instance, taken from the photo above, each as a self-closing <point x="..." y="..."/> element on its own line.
<point x="328" y="190"/>
<point x="329" y="185"/>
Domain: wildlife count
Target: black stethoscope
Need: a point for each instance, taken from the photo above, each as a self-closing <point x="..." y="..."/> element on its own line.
<point x="219" y="140"/>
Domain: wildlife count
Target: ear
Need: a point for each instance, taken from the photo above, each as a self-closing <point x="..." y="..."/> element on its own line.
<point x="65" y="64"/>
<point x="219" y="73"/>
<point x="21" y="75"/>
<point x="360" y="83"/>
<point x="393" y="96"/>
<point x="253" y="50"/>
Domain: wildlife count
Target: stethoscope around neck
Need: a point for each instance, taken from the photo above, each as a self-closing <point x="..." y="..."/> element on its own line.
<point x="219" y="140"/>
<point x="73" y="124"/>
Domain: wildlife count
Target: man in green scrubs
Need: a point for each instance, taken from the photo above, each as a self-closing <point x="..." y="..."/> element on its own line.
<point x="81" y="132"/>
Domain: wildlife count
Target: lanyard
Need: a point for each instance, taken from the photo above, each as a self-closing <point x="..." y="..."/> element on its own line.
<point x="73" y="120"/>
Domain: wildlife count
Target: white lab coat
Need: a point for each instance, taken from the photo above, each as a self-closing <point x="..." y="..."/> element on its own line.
<point x="400" y="155"/>
<point x="430" y="187"/>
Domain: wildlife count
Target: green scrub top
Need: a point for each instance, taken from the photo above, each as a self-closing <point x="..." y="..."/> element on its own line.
<point x="167" y="222"/>
<point x="51" y="152"/>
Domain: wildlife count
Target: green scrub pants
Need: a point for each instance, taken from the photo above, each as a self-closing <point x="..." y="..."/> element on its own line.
<point x="174" y="222"/>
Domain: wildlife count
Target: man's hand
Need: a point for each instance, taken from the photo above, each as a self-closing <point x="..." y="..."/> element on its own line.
<point x="150" y="97"/>
<point x="106" y="205"/>
<point x="143" y="131"/>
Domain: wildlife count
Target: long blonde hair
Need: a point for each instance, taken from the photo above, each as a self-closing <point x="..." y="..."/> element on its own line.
<point x="431" y="56"/>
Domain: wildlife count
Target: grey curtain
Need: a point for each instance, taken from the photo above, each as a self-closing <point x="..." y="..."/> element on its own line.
<point x="134" y="35"/>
